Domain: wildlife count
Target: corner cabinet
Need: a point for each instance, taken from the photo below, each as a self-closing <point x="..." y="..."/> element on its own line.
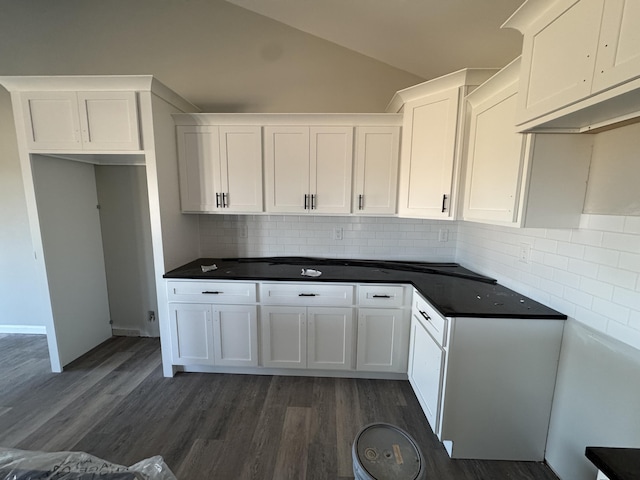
<point x="477" y="375"/>
<point x="81" y="121"/>
<point x="593" y="49"/>
<point x="522" y="180"/>
<point x="308" y="169"/>
<point x="220" y="168"/>
<point x="432" y="138"/>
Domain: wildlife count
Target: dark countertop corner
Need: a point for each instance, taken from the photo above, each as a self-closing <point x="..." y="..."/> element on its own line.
<point x="452" y="289"/>
<point x="616" y="463"/>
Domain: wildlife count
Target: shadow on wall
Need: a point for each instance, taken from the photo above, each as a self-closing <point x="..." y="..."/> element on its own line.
<point x="595" y="402"/>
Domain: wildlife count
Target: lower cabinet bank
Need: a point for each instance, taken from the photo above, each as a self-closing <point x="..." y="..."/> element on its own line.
<point x="485" y="385"/>
<point x="282" y="328"/>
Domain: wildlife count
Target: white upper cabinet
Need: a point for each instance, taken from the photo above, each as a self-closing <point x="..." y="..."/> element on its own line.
<point x="432" y="136"/>
<point x="308" y="169"/>
<point x="580" y="64"/>
<point x="524" y="180"/>
<point x="220" y="168"/>
<point x="94" y="121"/>
<point x="376" y="170"/>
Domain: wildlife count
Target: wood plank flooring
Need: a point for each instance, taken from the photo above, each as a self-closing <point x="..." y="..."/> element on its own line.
<point x="115" y="404"/>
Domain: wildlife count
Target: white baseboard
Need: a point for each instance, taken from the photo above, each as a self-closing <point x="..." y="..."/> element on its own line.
<point x="24" y="329"/>
<point x="125" y="332"/>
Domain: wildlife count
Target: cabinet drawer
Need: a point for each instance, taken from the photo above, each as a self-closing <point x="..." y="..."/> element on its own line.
<point x="391" y="296"/>
<point x="211" y="292"/>
<point x="435" y="323"/>
<point x="308" y="294"/>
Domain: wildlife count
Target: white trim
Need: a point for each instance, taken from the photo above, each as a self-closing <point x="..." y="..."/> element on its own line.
<point x="24" y="329"/>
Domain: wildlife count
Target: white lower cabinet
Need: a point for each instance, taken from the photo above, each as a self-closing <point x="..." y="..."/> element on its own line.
<point x="235" y="333"/>
<point x="382" y="339"/>
<point x="349" y="329"/>
<point x="307" y="337"/>
<point x="485" y="384"/>
<point x="191" y="334"/>
<point x="206" y="334"/>
<point x="426" y="367"/>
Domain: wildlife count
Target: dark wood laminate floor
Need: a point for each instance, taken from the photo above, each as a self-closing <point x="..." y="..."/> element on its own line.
<point x="114" y="403"/>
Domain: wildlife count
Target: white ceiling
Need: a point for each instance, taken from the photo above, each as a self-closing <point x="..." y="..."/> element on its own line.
<point x="428" y="38"/>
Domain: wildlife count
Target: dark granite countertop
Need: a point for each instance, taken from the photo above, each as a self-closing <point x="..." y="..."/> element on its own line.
<point x="616" y="463"/>
<point x="453" y="290"/>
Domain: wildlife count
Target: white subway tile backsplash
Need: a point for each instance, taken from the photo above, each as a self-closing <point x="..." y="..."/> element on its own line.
<point x="591" y="273"/>
<point x="622" y="241"/>
<point x="618" y="277"/>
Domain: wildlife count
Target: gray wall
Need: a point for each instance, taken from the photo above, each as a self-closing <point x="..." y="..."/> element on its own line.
<point x="17" y="267"/>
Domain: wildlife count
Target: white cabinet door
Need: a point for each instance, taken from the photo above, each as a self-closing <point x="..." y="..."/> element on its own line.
<point x="428" y="155"/>
<point x="331" y="166"/>
<point x="236" y="335"/>
<point x="382" y="339"/>
<point x="109" y="121"/>
<point x="618" y="57"/>
<point x="241" y="168"/>
<point x="284" y="337"/>
<point x="426" y="367"/>
<point x="89" y="121"/>
<point x="495" y="162"/>
<point x="198" y="160"/>
<point x="220" y="168"/>
<point x="376" y="170"/>
<point x="52" y="121"/>
<point x="559" y="57"/>
<point x="308" y="169"/>
<point x="286" y="169"/>
<point x="191" y="334"/>
<point x="330" y="338"/>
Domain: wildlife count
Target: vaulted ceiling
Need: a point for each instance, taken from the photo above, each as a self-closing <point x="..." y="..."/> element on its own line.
<point x="428" y="38"/>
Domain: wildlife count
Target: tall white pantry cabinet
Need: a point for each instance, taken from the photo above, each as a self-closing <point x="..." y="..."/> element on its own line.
<point x="67" y="127"/>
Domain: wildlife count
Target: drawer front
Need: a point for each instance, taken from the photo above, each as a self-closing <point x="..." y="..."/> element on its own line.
<point x="211" y="292"/>
<point x="435" y="323"/>
<point x="307" y="294"/>
<point x="382" y="296"/>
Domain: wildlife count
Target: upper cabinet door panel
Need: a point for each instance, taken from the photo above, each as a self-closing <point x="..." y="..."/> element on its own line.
<point x="330" y="171"/>
<point x="495" y="162"/>
<point x="109" y="120"/>
<point x="286" y="168"/>
<point x="376" y="170"/>
<point x="87" y="121"/>
<point x="619" y="50"/>
<point x="241" y="168"/>
<point x="428" y="155"/>
<point x="51" y="120"/>
<point x="559" y="57"/>
<point x="199" y="168"/>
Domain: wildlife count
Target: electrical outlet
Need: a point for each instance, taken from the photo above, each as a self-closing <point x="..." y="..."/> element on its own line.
<point x="525" y="253"/>
<point x="338" y="233"/>
<point x="151" y="316"/>
<point x="443" y="235"/>
<point x="244" y="231"/>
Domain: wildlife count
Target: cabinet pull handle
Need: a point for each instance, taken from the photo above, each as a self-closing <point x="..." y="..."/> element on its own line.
<point x="218" y="200"/>
<point x="444" y="199"/>
<point x="424" y="314"/>
<point x="307" y="294"/>
<point x="206" y="292"/>
<point x="313" y="201"/>
<point x="360" y="202"/>
<point x="306" y="200"/>
<point x="381" y="296"/>
<point x="225" y="203"/>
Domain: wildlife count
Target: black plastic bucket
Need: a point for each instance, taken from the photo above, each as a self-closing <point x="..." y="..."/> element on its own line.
<point x="385" y="452"/>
